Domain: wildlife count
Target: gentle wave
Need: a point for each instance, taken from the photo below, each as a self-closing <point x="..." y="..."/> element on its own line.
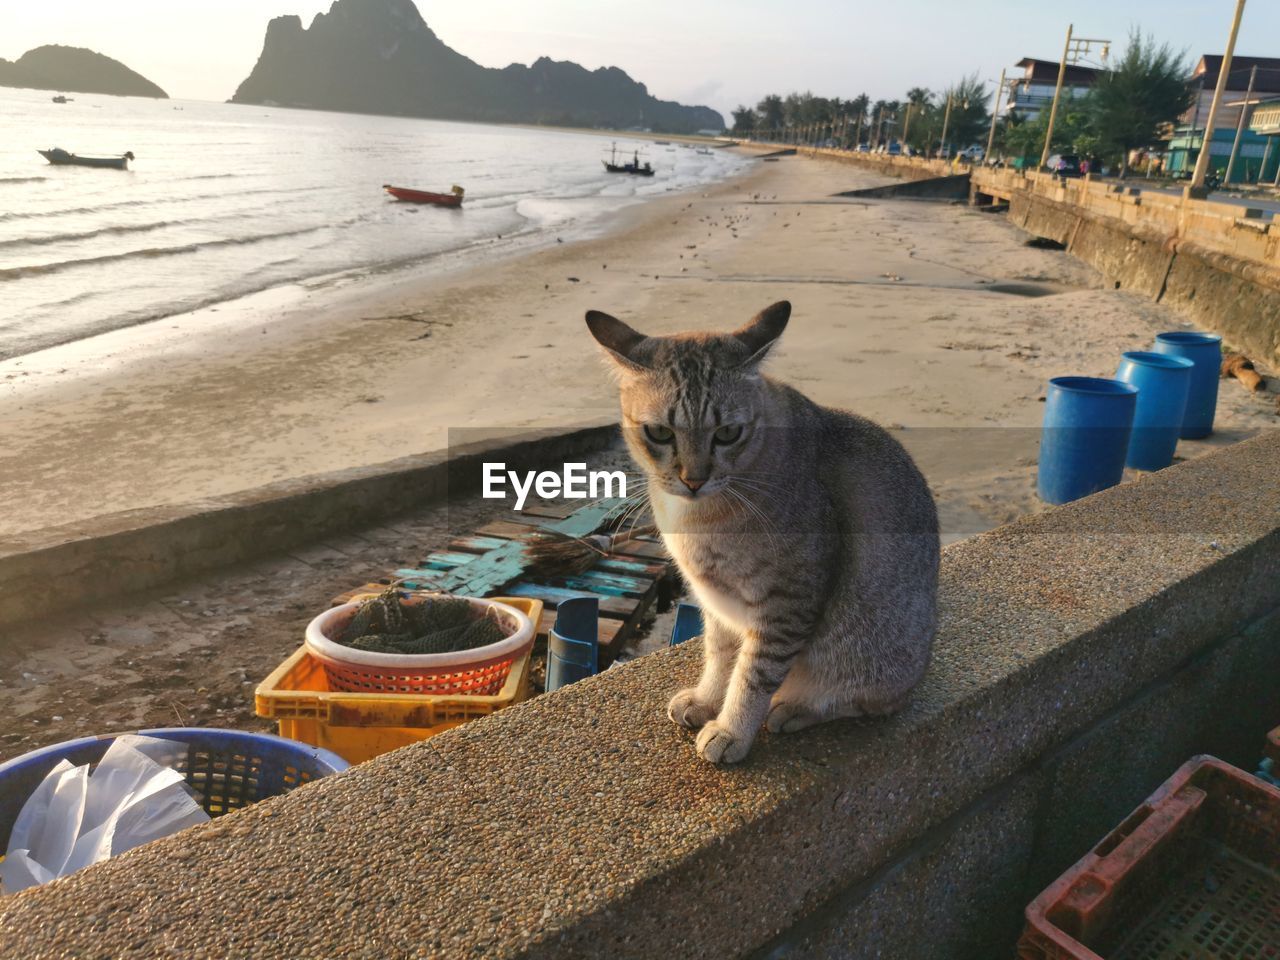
<point x="90" y="234"/>
<point x="22" y="179"/>
<point x="120" y="204"/>
<point x="18" y="273"/>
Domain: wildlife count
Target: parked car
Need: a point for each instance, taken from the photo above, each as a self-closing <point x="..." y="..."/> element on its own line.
<point x="864" y="148"/>
<point x="1064" y="165"/>
<point x="972" y="153"/>
<point x="895" y="148"/>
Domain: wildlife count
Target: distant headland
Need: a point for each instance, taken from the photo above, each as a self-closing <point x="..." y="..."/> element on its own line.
<point x="379" y="56"/>
<point x="75" y="70"/>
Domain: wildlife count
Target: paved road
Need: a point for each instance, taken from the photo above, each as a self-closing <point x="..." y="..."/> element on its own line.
<point x="1258" y="203"/>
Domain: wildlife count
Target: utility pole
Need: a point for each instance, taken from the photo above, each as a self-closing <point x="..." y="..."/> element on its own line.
<point x="1244" y="111"/>
<point x="1202" y="162"/>
<point x="906" y="124"/>
<point x="991" y="137"/>
<point x="946" y="119"/>
<point x="1057" y="94"/>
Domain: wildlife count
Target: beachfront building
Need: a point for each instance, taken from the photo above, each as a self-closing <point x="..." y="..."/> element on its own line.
<point x="1254" y="160"/>
<point x="1265" y="122"/>
<point x="1033" y="91"/>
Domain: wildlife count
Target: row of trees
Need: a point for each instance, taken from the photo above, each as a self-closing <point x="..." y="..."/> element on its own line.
<point x="918" y="120"/>
<point x="1130" y="103"/>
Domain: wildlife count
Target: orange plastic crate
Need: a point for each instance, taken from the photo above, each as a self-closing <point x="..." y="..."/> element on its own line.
<point x="1192" y="874"/>
<point x="360" y="726"/>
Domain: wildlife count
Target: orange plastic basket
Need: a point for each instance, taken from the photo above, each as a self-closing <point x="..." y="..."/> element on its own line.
<point x="482" y="671"/>
<point x="1192" y="874"/>
<point x="358" y="726"/>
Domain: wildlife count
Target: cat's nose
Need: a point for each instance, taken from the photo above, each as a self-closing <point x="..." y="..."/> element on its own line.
<point x="692" y="484"/>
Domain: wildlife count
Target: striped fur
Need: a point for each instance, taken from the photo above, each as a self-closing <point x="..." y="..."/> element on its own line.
<point x="807" y="534"/>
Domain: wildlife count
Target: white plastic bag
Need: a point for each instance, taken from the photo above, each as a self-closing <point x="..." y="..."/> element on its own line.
<point x="75" y="818"/>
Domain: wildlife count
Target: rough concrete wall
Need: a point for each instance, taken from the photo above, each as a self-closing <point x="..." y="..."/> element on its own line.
<point x="60" y="568"/>
<point x="959" y="892"/>
<point x="1236" y="297"/>
<point x="933" y="188"/>
<point x="581" y="824"/>
<point x="905" y="168"/>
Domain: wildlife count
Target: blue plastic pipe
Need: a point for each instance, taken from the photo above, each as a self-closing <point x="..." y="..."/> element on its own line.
<point x="1205" y="351"/>
<point x="573" y="650"/>
<point x="1163" y="382"/>
<point x="1087" y="424"/>
<point x="688" y="624"/>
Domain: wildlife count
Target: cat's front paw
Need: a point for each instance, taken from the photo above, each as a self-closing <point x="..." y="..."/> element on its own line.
<point x="688" y="710"/>
<point x="718" y="744"/>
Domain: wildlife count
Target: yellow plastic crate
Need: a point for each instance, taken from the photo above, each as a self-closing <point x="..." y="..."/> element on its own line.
<point x="360" y="726"/>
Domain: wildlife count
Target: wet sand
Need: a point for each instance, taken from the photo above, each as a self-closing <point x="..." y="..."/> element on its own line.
<point x="899" y="314"/>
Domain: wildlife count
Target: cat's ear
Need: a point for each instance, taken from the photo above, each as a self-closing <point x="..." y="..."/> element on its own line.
<point x="763" y="331"/>
<point x="618" y="340"/>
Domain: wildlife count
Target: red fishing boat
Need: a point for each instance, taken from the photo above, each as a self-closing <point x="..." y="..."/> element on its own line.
<point x="451" y="199"/>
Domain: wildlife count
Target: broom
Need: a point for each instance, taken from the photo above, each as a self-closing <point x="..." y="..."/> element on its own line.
<point x="559" y="555"/>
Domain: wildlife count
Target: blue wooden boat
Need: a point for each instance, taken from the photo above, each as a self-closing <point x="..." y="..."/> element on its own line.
<point x="59" y="157"/>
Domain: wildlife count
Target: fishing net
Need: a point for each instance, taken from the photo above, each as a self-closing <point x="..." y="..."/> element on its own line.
<point x="384" y="624"/>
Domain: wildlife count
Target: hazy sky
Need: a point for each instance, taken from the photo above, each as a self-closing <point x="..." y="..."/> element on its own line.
<point x="697" y="51"/>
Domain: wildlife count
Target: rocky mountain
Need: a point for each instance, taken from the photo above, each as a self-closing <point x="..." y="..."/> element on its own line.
<point x="379" y="56"/>
<point x="75" y="70"/>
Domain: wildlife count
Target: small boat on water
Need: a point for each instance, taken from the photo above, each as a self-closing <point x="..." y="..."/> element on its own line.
<point x="451" y="199"/>
<point x="61" y="99"/>
<point x="634" y="167"/>
<point x="60" y="158"/>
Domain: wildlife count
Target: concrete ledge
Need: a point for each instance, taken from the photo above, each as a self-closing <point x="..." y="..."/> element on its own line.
<point x="55" y="569"/>
<point x="1082" y="654"/>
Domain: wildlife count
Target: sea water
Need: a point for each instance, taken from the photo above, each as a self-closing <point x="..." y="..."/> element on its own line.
<point x="224" y="201"/>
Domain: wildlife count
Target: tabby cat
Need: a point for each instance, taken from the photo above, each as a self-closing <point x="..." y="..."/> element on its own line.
<point x="807" y="534"/>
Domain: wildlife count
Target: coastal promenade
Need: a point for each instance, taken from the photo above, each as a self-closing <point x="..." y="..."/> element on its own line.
<point x="1215" y="260"/>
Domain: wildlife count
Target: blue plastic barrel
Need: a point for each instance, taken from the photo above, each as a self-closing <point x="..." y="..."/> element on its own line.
<point x="1205" y="351"/>
<point x="1087" y="424"/>
<point x="1163" y="382"/>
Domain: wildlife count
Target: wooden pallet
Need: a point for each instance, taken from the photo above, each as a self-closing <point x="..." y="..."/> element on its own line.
<point x="489" y="562"/>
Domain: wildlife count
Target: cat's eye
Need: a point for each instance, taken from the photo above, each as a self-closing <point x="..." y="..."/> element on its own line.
<point x="659" y="433"/>
<point x="729" y="433"/>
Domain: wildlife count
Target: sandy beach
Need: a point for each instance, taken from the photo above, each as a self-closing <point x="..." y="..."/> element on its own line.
<point x="898" y="314"/>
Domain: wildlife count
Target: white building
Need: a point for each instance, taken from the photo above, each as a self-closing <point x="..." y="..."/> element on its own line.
<point x="1033" y="92"/>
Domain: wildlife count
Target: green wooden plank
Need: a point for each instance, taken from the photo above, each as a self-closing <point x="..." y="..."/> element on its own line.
<point x="619" y="608"/>
<point x="599" y="582"/>
<point x="487" y="573"/>
<point x="610" y="564"/>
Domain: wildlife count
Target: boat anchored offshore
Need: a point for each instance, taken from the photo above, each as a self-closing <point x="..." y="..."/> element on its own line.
<point x="451" y="199"/>
<point x="60" y="158"/>
<point x="634" y="168"/>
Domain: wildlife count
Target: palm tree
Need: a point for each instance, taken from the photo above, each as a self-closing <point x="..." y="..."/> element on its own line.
<point x="919" y="96"/>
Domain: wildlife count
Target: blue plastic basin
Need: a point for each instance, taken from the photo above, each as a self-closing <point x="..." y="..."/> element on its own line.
<point x="228" y="768"/>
